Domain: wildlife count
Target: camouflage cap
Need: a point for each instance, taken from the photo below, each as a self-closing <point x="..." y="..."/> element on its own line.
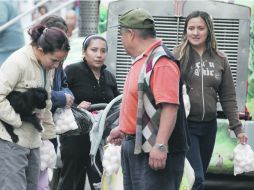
<point x="137" y="19"/>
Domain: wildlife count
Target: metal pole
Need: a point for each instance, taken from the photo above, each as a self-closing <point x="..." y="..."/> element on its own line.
<point x="51" y="12"/>
<point x="88" y="17"/>
<point x="17" y="18"/>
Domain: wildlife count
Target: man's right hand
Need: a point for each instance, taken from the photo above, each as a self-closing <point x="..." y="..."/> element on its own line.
<point x="116" y="136"/>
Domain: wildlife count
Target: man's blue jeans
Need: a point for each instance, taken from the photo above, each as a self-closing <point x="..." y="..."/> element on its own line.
<point x="202" y="136"/>
<point x="137" y="175"/>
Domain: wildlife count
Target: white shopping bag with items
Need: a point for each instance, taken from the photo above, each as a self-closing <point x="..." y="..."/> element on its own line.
<point x="64" y="120"/>
<point x="48" y="155"/>
<point x="111" y="159"/>
<point x="188" y="178"/>
<point x="243" y="159"/>
<point x="186" y="101"/>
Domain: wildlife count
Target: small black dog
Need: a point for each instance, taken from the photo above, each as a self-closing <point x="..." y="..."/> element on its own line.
<point x="24" y="103"/>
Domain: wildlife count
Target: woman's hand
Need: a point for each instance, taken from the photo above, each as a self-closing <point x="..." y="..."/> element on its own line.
<point x="69" y="100"/>
<point x="243" y="138"/>
<point x="84" y="105"/>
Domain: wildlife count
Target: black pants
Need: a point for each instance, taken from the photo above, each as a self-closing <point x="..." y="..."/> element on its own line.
<point x="76" y="163"/>
<point x="202" y="135"/>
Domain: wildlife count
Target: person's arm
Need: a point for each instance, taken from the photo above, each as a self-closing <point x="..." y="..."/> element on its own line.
<point x="61" y="98"/>
<point x="58" y="99"/>
<point x="47" y="119"/>
<point x="167" y="97"/>
<point x="69" y="97"/>
<point x="10" y="75"/>
<point x="228" y="102"/>
<point x="115" y="89"/>
<point x="116" y="136"/>
<point x="167" y="122"/>
<point x="157" y="158"/>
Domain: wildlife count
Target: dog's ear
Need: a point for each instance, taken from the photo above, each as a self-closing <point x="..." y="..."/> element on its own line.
<point x="17" y="101"/>
<point x="40" y="97"/>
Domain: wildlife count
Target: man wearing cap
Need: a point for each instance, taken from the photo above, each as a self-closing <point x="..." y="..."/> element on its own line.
<point x="152" y="123"/>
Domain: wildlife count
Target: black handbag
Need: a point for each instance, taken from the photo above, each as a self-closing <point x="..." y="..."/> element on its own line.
<point x="83" y="121"/>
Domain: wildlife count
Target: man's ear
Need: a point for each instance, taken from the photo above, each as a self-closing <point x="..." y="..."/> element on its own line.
<point x="131" y="34"/>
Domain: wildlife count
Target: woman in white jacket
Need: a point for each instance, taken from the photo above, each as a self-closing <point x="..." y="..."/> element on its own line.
<point x="31" y="66"/>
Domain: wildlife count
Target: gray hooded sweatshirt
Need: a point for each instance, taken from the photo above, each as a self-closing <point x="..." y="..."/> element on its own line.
<point x="210" y="77"/>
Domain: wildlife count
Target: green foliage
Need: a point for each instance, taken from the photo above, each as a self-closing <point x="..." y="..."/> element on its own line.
<point x="103" y="15"/>
<point x="102" y="19"/>
<point x="250" y="94"/>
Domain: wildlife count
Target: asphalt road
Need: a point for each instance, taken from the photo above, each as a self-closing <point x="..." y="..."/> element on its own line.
<point x="53" y="185"/>
<point x="220" y="182"/>
<point x="229" y="182"/>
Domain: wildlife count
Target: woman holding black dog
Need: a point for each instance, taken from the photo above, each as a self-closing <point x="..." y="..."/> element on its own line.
<point x="29" y="67"/>
<point x="90" y="83"/>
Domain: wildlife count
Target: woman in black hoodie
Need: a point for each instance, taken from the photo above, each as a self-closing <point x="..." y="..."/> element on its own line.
<point x="90" y="83"/>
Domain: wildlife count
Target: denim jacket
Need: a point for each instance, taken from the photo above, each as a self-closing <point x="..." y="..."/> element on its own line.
<point x="60" y="87"/>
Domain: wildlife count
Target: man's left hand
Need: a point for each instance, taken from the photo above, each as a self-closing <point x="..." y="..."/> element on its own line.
<point x="157" y="159"/>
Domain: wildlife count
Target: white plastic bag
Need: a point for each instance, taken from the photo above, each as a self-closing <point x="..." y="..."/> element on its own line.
<point x="189" y="172"/>
<point x="186" y="101"/>
<point x="243" y="159"/>
<point x="64" y="120"/>
<point x="188" y="178"/>
<point x="111" y="159"/>
<point x="48" y="155"/>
